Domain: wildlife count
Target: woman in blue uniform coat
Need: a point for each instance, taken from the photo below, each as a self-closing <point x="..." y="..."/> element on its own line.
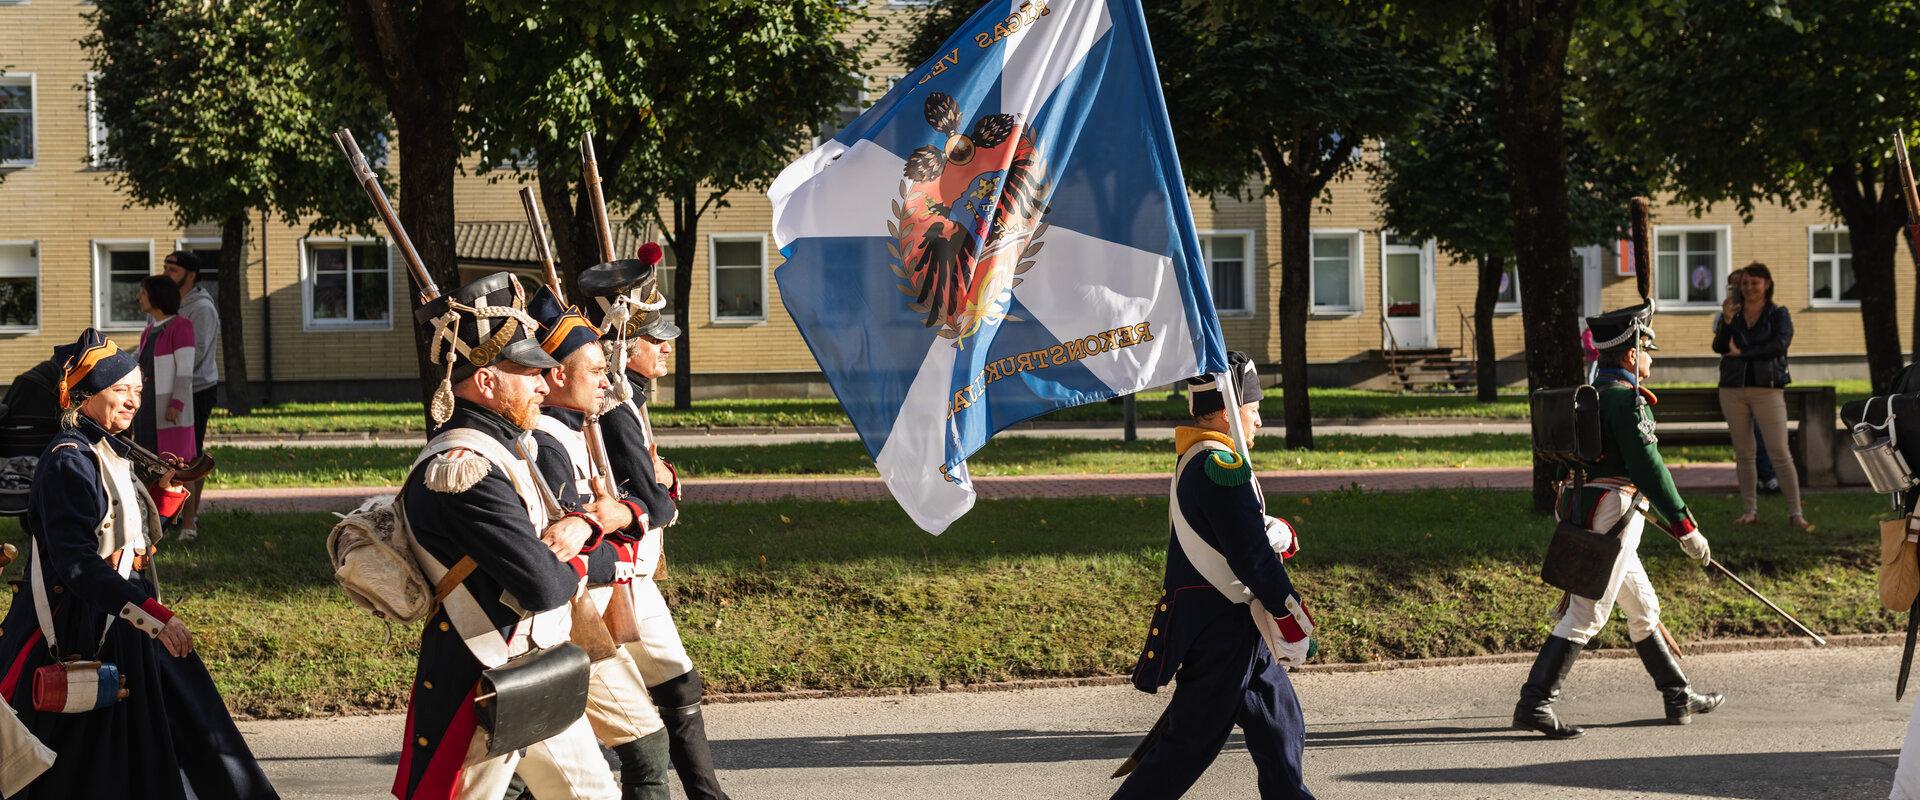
<point x="92" y="526"/>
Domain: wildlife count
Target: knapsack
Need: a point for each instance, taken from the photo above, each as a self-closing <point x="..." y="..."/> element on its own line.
<point x="1566" y="426"/>
<point x="372" y="549"/>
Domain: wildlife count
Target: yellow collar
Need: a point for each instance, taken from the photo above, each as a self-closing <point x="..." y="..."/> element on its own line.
<point x="1186" y="436"/>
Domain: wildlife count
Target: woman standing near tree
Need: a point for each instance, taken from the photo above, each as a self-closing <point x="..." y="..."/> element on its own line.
<point x="1752" y="337"/>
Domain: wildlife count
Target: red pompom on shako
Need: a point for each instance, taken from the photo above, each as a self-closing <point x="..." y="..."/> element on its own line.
<point x="649" y="254"/>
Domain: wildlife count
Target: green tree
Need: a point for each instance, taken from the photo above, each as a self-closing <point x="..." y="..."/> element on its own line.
<point x="684" y="110"/>
<point x="1761" y="101"/>
<point x="1450" y="180"/>
<point x="1272" y="100"/>
<point x="208" y="112"/>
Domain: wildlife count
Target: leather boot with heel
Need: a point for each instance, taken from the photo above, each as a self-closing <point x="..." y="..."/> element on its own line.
<point x="1535" y="709"/>
<point x="1681" y="701"/>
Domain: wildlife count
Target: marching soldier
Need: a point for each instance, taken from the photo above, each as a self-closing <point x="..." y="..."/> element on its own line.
<point x="22" y="757"/>
<point x="1224" y="561"/>
<point x="628" y="303"/>
<point x="623" y="715"/>
<point x="140" y="718"/>
<point x="505" y="566"/>
<point x="1628" y="477"/>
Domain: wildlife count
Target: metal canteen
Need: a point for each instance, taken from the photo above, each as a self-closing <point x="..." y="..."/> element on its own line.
<point x="1879" y="456"/>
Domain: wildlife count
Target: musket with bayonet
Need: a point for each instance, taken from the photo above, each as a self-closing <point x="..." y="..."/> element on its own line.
<point x="603" y="232"/>
<point x="362" y="173"/>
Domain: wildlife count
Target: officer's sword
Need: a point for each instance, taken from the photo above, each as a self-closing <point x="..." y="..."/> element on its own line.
<point x="1906" y="653"/>
<point x="1769" y="603"/>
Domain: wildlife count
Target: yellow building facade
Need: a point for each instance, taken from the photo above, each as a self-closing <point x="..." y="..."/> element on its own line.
<point x="326" y="316"/>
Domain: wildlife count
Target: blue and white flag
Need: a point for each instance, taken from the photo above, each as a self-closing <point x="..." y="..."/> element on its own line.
<point x="1004" y="234"/>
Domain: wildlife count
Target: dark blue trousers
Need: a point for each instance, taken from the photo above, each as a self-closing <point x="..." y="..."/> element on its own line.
<point x="1226" y="678"/>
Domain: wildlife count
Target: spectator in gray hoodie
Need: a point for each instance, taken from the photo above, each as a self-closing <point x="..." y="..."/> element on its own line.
<point x="196" y="304"/>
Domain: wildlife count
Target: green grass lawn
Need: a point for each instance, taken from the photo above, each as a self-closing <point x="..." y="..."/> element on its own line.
<point x="365" y="417"/>
<point x="364" y="465"/>
<point x="842" y="595"/>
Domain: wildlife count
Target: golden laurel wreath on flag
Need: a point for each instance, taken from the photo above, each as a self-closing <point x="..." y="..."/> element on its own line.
<point x="967" y="222"/>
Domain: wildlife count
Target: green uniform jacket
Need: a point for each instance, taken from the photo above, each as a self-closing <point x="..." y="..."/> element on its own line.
<point x="1629" y="449"/>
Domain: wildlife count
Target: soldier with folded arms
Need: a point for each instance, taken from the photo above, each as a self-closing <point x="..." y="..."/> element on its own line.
<point x="506" y="565"/>
<point x="626" y="304"/>
<point x="1628" y="477"/>
<point x="623" y="716"/>
<point x="1229" y="621"/>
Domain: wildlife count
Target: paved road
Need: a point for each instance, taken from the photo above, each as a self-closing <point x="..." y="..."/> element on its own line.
<point x="1800" y="724"/>
<point x="1691" y="477"/>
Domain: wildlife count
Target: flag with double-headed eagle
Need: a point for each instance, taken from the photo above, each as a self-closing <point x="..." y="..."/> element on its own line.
<point x="1005" y="233"/>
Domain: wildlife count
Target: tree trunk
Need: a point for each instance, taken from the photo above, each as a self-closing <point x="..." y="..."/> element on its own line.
<point x="686" y="227"/>
<point x="1484" y="358"/>
<point x="1874" y="213"/>
<point x="418" y="62"/>
<point x="231" y="302"/>
<point x="1296" y="217"/>
<point x="1531" y="39"/>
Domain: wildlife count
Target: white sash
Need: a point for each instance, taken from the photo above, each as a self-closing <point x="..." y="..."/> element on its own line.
<point x="545" y="629"/>
<point x="1208" y="561"/>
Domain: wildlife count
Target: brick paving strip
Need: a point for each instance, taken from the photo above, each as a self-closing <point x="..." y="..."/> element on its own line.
<point x="1703" y="477"/>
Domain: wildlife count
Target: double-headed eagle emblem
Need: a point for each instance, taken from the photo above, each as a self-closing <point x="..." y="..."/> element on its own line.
<point x="968" y="219"/>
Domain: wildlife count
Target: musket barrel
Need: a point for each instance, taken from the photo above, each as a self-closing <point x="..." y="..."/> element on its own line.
<point x="590" y="175"/>
<point x="363" y="173"/>
<point x="541" y="247"/>
<point x="1907" y="189"/>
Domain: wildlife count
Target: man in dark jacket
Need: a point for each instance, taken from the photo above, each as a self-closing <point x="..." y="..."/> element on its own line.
<point x="1229" y="619"/>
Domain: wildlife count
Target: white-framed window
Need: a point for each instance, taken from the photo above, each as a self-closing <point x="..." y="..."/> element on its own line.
<point x="19" y="287"/>
<point x="849" y="110"/>
<point x="207" y="249"/>
<point x="1229" y="257"/>
<point x="97" y="154"/>
<point x="119" y="265"/>
<point x="17" y="119"/>
<point x="1690" y="264"/>
<point x="669" y="267"/>
<point x="1830" y="267"/>
<point x="1508" y="299"/>
<point x="1334" y="276"/>
<point x="737" y="264"/>
<point x="348" y="283"/>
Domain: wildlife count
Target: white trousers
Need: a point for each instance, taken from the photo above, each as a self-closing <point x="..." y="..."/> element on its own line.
<point x="1580" y="619"/>
<point x="660" y="654"/>
<point x="618" y="706"/>
<point x="22" y="757"/>
<point x="566" y="767"/>
<point x="1906" y="776"/>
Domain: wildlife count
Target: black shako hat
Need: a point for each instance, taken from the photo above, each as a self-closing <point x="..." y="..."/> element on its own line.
<point x="562" y="329"/>
<point x="1203" y="392"/>
<point x="1627" y="327"/>
<point x="624" y="296"/>
<point x="478" y="325"/>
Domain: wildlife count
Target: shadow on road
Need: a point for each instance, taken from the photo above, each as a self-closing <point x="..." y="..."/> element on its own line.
<point x="930" y="749"/>
<point x="1741" y="776"/>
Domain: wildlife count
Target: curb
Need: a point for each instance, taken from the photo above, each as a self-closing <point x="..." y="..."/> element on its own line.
<point x="1707" y="647"/>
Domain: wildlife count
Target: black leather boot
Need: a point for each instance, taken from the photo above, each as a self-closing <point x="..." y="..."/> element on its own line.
<point x="1681" y="700"/>
<point x="679" y="702"/>
<point x="1535" y="709"/>
<point x="643" y="768"/>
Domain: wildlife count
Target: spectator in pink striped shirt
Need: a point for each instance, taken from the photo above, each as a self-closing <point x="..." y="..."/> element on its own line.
<point x="165" y="421"/>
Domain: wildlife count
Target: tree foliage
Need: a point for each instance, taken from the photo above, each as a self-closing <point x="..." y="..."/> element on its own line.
<point x="1762" y="101"/>
<point x="1450" y="180"/>
<point x="684" y="110"/>
<point x="209" y="111"/>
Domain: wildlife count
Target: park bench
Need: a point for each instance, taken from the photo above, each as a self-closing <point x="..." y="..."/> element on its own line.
<point x="1692" y="416"/>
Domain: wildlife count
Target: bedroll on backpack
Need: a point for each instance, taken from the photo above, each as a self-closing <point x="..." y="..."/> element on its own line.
<point x="374" y="563"/>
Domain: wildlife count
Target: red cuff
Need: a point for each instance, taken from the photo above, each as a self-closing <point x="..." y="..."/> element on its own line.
<point x="598" y="532"/>
<point x="673" y="489"/>
<point x="640" y="520"/>
<point x="1290" y="629"/>
<point x="579" y="565"/>
<point x="157" y="611"/>
<point x="1683" y="527"/>
<point x="176" y="405"/>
